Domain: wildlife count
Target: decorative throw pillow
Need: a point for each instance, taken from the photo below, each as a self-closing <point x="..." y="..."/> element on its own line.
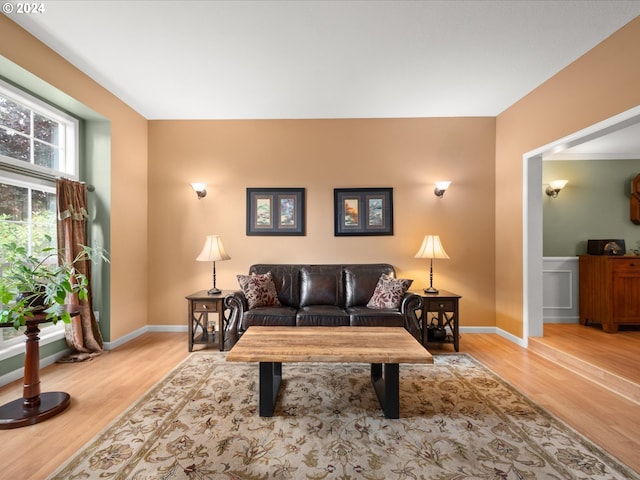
<point x="389" y="292"/>
<point x="259" y="290"/>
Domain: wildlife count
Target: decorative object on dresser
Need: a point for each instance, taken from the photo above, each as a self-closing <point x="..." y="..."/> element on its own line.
<point x="606" y="247"/>
<point x="431" y="248"/>
<point x="354" y="295"/>
<point x="609" y="290"/>
<point x="213" y="251"/>
<point x="200" y="327"/>
<point x="363" y="211"/>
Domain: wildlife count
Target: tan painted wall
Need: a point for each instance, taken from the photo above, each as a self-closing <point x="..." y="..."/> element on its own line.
<point x="320" y="155"/>
<point x="600" y="84"/>
<point x="128" y="196"/>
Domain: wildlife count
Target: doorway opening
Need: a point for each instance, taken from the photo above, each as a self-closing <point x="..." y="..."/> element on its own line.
<point x="532" y="211"/>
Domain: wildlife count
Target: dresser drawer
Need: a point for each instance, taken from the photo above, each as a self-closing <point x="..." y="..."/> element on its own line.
<point x="626" y="266"/>
<point x="205" y="306"/>
<point x="438" y="304"/>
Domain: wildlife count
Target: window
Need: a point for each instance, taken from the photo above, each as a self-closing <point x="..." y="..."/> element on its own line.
<point x="38" y="143"/>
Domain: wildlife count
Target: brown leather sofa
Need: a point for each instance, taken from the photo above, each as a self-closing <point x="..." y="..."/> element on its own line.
<point x="322" y="295"/>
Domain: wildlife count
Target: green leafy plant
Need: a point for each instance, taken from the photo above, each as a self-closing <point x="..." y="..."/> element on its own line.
<point x="39" y="283"/>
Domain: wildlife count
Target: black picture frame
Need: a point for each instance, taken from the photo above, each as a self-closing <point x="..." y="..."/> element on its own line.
<point x="363" y="211"/>
<point x="276" y="211"/>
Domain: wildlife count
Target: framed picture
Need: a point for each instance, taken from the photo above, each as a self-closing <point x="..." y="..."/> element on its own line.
<point x="275" y="211"/>
<point x="363" y="211"/>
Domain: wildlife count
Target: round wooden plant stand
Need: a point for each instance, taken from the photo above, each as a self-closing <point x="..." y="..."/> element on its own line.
<point x="33" y="407"/>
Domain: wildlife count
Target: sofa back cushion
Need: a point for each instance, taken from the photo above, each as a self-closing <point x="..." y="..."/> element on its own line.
<point x="321" y="285"/>
<point x="286" y="279"/>
<point x="361" y="281"/>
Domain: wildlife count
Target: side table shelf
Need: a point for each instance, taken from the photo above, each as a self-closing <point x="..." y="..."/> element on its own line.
<point x="440" y="318"/>
<point x="201" y="330"/>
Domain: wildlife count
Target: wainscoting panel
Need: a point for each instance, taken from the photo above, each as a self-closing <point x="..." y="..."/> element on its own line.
<point x="560" y="290"/>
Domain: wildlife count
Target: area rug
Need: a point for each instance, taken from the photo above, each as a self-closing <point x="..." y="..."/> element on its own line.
<point x="458" y="421"/>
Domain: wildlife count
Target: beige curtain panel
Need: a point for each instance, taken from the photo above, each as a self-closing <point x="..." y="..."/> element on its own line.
<point x="82" y="334"/>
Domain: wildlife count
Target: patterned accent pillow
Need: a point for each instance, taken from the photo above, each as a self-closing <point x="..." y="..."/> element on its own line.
<point x="259" y="290"/>
<point x="389" y="292"/>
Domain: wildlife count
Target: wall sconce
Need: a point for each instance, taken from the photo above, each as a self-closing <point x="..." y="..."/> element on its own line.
<point x="441" y="187"/>
<point x="554" y="187"/>
<point x="200" y="189"/>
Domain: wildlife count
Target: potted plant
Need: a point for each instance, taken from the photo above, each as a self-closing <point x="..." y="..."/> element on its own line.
<point x="33" y="283"/>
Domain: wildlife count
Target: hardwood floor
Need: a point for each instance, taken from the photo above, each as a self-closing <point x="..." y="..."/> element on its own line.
<point x="104" y="387"/>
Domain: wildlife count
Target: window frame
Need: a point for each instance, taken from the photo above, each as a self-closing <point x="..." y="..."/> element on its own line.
<point x="29" y="175"/>
<point x="70" y="137"/>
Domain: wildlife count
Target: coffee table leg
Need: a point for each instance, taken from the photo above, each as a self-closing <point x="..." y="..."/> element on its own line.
<point x="270" y="379"/>
<point x="386" y="382"/>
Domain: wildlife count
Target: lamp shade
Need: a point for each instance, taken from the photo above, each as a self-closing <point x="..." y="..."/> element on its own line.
<point x="213" y="250"/>
<point x="431" y="248"/>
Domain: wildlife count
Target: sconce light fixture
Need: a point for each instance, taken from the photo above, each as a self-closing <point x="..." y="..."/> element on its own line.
<point x="441" y="187"/>
<point x="213" y="251"/>
<point x="554" y="187"/>
<point x="200" y="189"/>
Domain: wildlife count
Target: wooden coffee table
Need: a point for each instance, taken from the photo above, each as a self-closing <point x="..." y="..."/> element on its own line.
<point x="383" y="347"/>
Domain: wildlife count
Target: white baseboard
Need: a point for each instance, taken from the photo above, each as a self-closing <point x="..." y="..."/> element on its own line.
<point x="147" y="328"/>
<point x="498" y="331"/>
<point x="561" y="320"/>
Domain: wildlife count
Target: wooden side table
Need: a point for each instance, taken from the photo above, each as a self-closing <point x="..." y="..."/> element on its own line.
<point x="33" y="407"/>
<point x="439" y="313"/>
<point x="201" y="304"/>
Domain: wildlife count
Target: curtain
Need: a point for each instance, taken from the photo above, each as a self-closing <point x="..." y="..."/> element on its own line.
<point x="82" y="334"/>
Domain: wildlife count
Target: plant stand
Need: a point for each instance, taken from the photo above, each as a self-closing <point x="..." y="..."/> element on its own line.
<point x="33" y="407"/>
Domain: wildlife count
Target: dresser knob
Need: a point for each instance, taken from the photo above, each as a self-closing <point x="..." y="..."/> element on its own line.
<point x="204" y="307"/>
<point x="442" y="305"/>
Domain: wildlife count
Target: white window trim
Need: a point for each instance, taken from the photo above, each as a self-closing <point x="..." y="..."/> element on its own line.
<point x="17" y="345"/>
<point x="28" y="175"/>
<point x="71" y="141"/>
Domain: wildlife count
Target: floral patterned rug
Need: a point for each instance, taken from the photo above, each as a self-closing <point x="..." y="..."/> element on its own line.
<point x="458" y="421"/>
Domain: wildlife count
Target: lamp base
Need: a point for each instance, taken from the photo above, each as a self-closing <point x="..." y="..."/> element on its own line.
<point x="214" y="291"/>
<point x="430" y="290"/>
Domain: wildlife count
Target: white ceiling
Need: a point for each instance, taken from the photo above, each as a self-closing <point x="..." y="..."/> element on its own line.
<point x="323" y="59"/>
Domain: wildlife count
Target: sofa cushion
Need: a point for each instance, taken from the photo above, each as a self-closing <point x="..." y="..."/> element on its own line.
<point x="321" y="285"/>
<point x="389" y="292"/>
<point x="259" y="290"/>
<point x="375" y="317"/>
<point x="269" y="316"/>
<point x="322" y="316"/>
<point x="361" y="280"/>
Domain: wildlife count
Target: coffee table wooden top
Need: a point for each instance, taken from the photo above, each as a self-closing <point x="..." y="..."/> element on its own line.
<point x="328" y="344"/>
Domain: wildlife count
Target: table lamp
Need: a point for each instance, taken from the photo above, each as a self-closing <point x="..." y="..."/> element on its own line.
<point x="431" y="248"/>
<point x="211" y="252"/>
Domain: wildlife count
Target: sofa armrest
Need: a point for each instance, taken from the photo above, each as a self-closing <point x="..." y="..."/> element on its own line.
<point x="237" y="303"/>
<point x="412" y="302"/>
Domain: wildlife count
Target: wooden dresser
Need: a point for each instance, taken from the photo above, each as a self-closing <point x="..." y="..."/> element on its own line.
<point x="609" y="290"/>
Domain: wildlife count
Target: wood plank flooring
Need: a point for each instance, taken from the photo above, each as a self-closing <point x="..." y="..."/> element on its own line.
<point x="104" y="387"/>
